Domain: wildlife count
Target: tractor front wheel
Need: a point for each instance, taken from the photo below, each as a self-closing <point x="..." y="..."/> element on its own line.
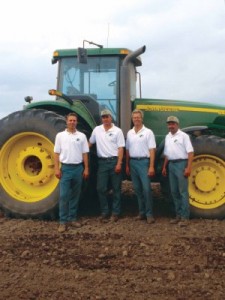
<point x="28" y="186"/>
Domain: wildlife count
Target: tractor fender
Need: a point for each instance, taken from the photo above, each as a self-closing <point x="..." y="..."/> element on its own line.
<point x="195" y="130"/>
<point x="63" y="108"/>
<point x="220" y="120"/>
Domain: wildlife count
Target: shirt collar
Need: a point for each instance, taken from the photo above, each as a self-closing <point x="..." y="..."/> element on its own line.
<point x="142" y="128"/>
<point x="109" y="128"/>
<point x="70" y="132"/>
<point x="172" y="135"/>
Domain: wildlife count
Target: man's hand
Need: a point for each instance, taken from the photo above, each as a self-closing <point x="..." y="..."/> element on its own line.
<point x="151" y="172"/>
<point x="58" y="174"/>
<point x="86" y="173"/>
<point x="164" y="171"/>
<point x="118" y="168"/>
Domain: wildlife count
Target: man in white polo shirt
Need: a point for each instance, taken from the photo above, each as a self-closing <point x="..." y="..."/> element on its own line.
<point x="71" y="150"/>
<point x="140" y="159"/>
<point x="110" y="144"/>
<point x="179" y="154"/>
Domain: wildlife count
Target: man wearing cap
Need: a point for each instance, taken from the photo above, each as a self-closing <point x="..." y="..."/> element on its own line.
<point x="110" y="144"/>
<point x="179" y="154"/>
<point x="140" y="159"/>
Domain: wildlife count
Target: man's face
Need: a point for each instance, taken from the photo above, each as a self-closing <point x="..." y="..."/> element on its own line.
<point x="172" y="127"/>
<point x="137" y="119"/>
<point x="71" y="122"/>
<point x="106" y="120"/>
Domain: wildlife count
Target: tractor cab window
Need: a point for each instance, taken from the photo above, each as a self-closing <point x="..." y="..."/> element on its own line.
<point x="98" y="79"/>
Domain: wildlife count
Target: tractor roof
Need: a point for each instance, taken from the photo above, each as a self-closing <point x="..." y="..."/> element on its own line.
<point x="60" y="53"/>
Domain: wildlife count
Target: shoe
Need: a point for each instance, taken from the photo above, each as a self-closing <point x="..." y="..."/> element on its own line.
<point x="62" y="228"/>
<point x="140" y="217"/>
<point x="175" y="221"/>
<point x="114" y="218"/>
<point x="75" y="224"/>
<point x="103" y="217"/>
<point x="183" y="223"/>
<point x="150" y="220"/>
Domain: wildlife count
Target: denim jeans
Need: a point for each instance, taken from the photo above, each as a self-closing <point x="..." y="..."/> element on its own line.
<point x="142" y="185"/>
<point x="106" y="172"/>
<point x="70" y="190"/>
<point x="179" y="189"/>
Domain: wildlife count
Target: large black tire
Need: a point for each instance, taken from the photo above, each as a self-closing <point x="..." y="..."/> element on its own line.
<point x="207" y="180"/>
<point x="28" y="187"/>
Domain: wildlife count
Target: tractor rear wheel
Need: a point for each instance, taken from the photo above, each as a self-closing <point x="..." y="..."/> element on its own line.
<point x="206" y="183"/>
<point x="28" y="186"/>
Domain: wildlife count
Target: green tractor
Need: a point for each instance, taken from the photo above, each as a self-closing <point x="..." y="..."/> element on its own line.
<point x="88" y="81"/>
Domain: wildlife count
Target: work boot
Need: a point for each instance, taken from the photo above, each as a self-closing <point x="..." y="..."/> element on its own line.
<point x="75" y="224"/>
<point x="103" y="218"/>
<point x="62" y="228"/>
<point x="183" y="223"/>
<point x="175" y="221"/>
<point x="140" y="217"/>
<point x="114" y="218"/>
<point x="150" y="220"/>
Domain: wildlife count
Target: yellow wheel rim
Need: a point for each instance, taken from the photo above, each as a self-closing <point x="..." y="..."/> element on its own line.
<point x="206" y="183"/>
<point x="27" y="167"/>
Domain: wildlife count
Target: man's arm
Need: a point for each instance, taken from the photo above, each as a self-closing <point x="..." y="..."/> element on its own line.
<point x="57" y="169"/>
<point x="127" y="163"/>
<point x="119" y="160"/>
<point x="86" y="165"/>
<point x="151" y="170"/>
<point x="164" y="171"/>
<point x="187" y="170"/>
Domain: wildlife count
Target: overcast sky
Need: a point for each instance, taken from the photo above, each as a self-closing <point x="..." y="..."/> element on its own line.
<point x="185" y="44"/>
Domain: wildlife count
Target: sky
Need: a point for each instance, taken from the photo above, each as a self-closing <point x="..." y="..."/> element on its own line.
<point x="184" y="39"/>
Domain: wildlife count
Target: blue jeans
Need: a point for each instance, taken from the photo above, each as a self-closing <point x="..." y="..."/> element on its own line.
<point x="142" y="185"/>
<point x="106" y="172"/>
<point x="70" y="190"/>
<point x="179" y="189"/>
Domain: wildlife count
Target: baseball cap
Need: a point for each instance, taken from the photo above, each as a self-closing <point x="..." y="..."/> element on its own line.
<point x="106" y="112"/>
<point x="172" y="119"/>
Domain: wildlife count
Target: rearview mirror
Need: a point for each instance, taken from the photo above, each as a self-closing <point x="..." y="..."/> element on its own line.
<point x="82" y="55"/>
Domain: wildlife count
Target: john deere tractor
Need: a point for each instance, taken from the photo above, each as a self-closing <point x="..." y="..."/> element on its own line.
<point x="88" y="81"/>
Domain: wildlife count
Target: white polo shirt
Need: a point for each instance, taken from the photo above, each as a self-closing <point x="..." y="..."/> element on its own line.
<point x="107" y="141"/>
<point x="71" y="146"/>
<point x="178" y="145"/>
<point x="139" y="143"/>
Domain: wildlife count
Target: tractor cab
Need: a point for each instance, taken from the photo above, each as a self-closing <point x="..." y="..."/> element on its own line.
<point x="95" y="77"/>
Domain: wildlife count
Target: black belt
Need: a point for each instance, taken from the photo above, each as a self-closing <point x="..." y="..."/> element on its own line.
<point x="139" y="158"/>
<point x="108" y="158"/>
<point x="72" y="165"/>
<point x="177" y="160"/>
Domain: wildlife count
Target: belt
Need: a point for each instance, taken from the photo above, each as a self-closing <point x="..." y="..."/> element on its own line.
<point x="139" y="158"/>
<point x="72" y="165"/>
<point x="177" y="160"/>
<point x="108" y="158"/>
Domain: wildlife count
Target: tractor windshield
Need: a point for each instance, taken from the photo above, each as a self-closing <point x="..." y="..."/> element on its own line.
<point x="97" y="79"/>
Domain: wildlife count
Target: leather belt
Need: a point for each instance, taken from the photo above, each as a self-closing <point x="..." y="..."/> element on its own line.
<point x="177" y="160"/>
<point x="72" y="165"/>
<point x="139" y="158"/>
<point x="108" y="158"/>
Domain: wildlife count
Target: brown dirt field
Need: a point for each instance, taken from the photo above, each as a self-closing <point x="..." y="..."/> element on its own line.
<point x="128" y="259"/>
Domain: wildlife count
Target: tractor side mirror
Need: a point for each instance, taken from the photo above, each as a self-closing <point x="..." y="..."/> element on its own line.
<point x="82" y="55"/>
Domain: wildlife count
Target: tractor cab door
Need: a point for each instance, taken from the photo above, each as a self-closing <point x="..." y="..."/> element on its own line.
<point x="95" y="83"/>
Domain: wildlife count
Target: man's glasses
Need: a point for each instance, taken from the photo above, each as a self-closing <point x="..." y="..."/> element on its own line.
<point x="105" y="116"/>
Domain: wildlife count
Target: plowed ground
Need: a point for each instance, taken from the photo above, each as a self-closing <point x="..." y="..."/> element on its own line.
<point x="128" y="259"/>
